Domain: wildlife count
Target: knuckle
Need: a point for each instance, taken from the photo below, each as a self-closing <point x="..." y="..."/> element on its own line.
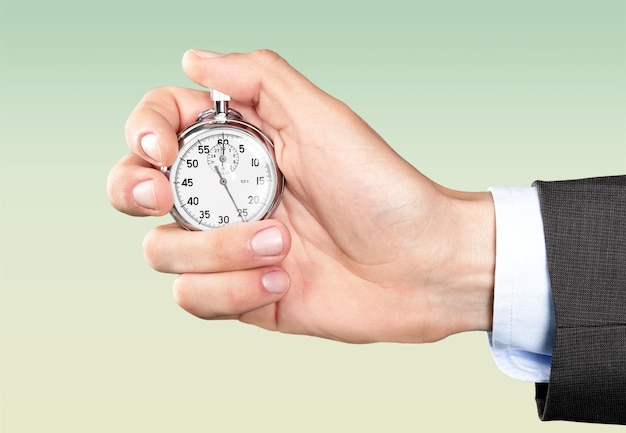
<point x="181" y="295"/>
<point x="210" y="298"/>
<point x="155" y="99"/>
<point x="266" y="56"/>
<point x="195" y="297"/>
<point x="152" y="250"/>
<point x="218" y="250"/>
<point x="223" y="249"/>
<point x="236" y="300"/>
<point x="116" y="185"/>
<point x="157" y="94"/>
<point x="112" y="187"/>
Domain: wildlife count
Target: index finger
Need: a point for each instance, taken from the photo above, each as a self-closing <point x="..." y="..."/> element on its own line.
<point x="153" y="126"/>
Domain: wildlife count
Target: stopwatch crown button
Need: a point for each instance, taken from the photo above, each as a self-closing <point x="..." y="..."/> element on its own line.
<point x="216" y="96"/>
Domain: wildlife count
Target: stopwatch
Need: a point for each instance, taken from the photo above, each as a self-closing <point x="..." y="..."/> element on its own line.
<point x="225" y="172"/>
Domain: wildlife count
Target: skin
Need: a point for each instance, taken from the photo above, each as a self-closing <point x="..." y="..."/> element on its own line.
<point x="363" y="248"/>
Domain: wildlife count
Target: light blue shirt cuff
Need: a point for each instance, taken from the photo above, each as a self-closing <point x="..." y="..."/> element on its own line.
<point x="523" y="315"/>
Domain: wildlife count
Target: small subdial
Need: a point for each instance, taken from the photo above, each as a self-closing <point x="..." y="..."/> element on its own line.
<point x="223" y="156"/>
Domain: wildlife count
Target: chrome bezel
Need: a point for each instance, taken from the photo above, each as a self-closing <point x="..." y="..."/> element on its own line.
<point x="208" y="121"/>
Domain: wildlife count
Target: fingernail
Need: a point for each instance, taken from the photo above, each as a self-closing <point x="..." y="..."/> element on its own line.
<point x="275" y="281"/>
<point x="144" y="195"/>
<point x="150" y="146"/>
<point x="206" y="54"/>
<point x="268" y="242"/>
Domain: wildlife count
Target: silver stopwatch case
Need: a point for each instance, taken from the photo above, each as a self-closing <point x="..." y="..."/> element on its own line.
<point x="225" y="172"/>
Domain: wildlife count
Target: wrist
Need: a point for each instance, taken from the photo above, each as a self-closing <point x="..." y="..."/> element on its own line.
<point x="472" y="258"/>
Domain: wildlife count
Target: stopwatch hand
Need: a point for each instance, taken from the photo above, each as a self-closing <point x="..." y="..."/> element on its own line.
<point x="224" y="182"/>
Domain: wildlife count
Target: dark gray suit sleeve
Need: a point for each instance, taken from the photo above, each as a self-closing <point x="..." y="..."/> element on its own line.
<point x="585" y="231"/>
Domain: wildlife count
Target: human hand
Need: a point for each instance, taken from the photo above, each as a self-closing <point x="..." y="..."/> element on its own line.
<point x="363" y="247"/>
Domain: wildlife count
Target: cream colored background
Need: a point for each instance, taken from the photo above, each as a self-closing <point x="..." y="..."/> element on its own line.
<point x="474" y="93"/>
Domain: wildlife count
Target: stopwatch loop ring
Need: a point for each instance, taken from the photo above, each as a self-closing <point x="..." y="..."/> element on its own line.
<point x="212" y="113"/>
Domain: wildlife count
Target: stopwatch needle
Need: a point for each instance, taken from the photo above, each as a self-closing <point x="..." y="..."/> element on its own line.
<point x="224" y="182"/>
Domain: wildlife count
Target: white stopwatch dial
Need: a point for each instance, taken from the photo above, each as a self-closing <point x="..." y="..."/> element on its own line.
<point x="225" y="172"/>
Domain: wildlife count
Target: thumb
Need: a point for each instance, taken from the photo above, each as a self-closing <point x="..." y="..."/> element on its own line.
<point x="261" y="79"/>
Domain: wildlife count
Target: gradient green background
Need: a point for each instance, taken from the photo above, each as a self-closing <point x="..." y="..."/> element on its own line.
<point x="473" y="93"/>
